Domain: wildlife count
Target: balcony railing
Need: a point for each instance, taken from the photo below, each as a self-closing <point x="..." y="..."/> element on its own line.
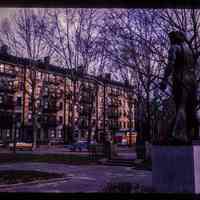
<point x="10" y="75"/>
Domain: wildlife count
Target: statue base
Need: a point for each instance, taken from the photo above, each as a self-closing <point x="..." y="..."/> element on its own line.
<point x="176" y="168"/>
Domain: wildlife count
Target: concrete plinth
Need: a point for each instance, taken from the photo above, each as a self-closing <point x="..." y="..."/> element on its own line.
<point x="176" y="168"/>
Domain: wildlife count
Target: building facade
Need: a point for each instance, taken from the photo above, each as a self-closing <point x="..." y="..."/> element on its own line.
<point x="41" y="100"/>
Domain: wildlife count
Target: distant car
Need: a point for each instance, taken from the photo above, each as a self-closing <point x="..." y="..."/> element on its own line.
<point x="82" y="144"/>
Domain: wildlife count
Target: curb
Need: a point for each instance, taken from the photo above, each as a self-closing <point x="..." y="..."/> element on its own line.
<point x="7" y="186"/>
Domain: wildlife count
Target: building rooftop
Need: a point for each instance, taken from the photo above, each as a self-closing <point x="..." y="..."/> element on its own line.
<point x="41" y="65"/>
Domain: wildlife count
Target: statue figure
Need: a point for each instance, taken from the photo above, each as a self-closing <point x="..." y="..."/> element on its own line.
<point x="182" y="66"/>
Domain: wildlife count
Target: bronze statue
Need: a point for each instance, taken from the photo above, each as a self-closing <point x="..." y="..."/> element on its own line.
<point x="182" y="66"/>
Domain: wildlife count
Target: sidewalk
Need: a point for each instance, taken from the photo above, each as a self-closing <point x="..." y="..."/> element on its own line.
<point x="48" y="150"/>
<point x="124" y="153"/>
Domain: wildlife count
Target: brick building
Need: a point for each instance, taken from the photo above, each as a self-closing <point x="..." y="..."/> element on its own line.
<point x="36" y="96"/>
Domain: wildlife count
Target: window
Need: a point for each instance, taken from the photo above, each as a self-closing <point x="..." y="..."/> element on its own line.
<point x="30" y="104"/>
<point x="1" y="99"/>
<point x="61" y="93"/>
<point x="120" y="124"/>
<point x="59" y="133"/>
<point x="52" y="133"/>
<point x="70" y="107"/>
<point x="18" y="117"/>
<point x="45" y="118"/>
<point x="46" y="105"/>
<point x="60" y="119"/>
<point x="1" y="68"/>
<point x="21" y="85"/>
<point x="38" y="103"/>
<point x="61" y="105"/>
<point x="39" y="75"/>
<point x="29" y="117"/>
<point x="124" y="124"/>
<point x="19" y="101"/>
<point x="46" y="89"/>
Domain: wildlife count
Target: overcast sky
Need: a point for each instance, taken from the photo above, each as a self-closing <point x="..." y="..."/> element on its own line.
<point x="5" y="12"/>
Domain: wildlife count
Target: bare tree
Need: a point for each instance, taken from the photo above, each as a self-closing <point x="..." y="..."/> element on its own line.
<point x="74" y="43"/>
<point x="23" y="33"/>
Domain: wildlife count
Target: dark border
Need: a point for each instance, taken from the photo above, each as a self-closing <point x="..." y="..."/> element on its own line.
<point x="103" y="3"/>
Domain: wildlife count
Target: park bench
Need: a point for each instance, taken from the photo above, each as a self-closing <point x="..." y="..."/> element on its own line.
<point x="21" y="146"/>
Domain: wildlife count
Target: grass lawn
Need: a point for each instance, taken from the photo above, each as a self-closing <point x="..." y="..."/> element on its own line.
<point x="49" y="158"/>
<point x="12" y="176"/>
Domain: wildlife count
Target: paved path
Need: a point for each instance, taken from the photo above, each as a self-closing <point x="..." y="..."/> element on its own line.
<point x="78" y="178"/>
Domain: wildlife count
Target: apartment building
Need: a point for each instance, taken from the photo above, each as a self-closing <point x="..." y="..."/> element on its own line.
<point x="58" y="103"/>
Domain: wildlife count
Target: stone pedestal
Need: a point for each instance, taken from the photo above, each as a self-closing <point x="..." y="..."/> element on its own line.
<point x="176" y="168"/>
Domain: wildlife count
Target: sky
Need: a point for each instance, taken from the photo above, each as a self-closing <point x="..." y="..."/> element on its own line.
<point x="5" y="12"/>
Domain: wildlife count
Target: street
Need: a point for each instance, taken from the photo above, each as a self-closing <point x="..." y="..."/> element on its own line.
<point x="78" y="178"/>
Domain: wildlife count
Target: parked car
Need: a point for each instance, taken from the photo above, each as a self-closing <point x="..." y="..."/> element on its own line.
<point x="21" y="146"/>
<point x="81" y="144"/>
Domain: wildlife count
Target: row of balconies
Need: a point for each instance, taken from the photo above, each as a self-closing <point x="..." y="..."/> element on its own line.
<point x="46" y="121"/>
<point x="10" y="74"/>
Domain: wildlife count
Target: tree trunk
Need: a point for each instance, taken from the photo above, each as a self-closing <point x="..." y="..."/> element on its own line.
<point x="104" y="114"/>
<point x="64" y="114"/>
<point x="24" y="99"/>
<point x="34" y="118"/>
<point x="73" y="111"/>
<point x="34" y="132"/>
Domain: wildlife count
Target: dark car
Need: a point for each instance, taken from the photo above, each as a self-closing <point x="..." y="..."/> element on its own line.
<point x="80" y="145"/>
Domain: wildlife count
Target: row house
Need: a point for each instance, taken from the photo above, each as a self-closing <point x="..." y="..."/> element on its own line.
<point x="69" y="105"/>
